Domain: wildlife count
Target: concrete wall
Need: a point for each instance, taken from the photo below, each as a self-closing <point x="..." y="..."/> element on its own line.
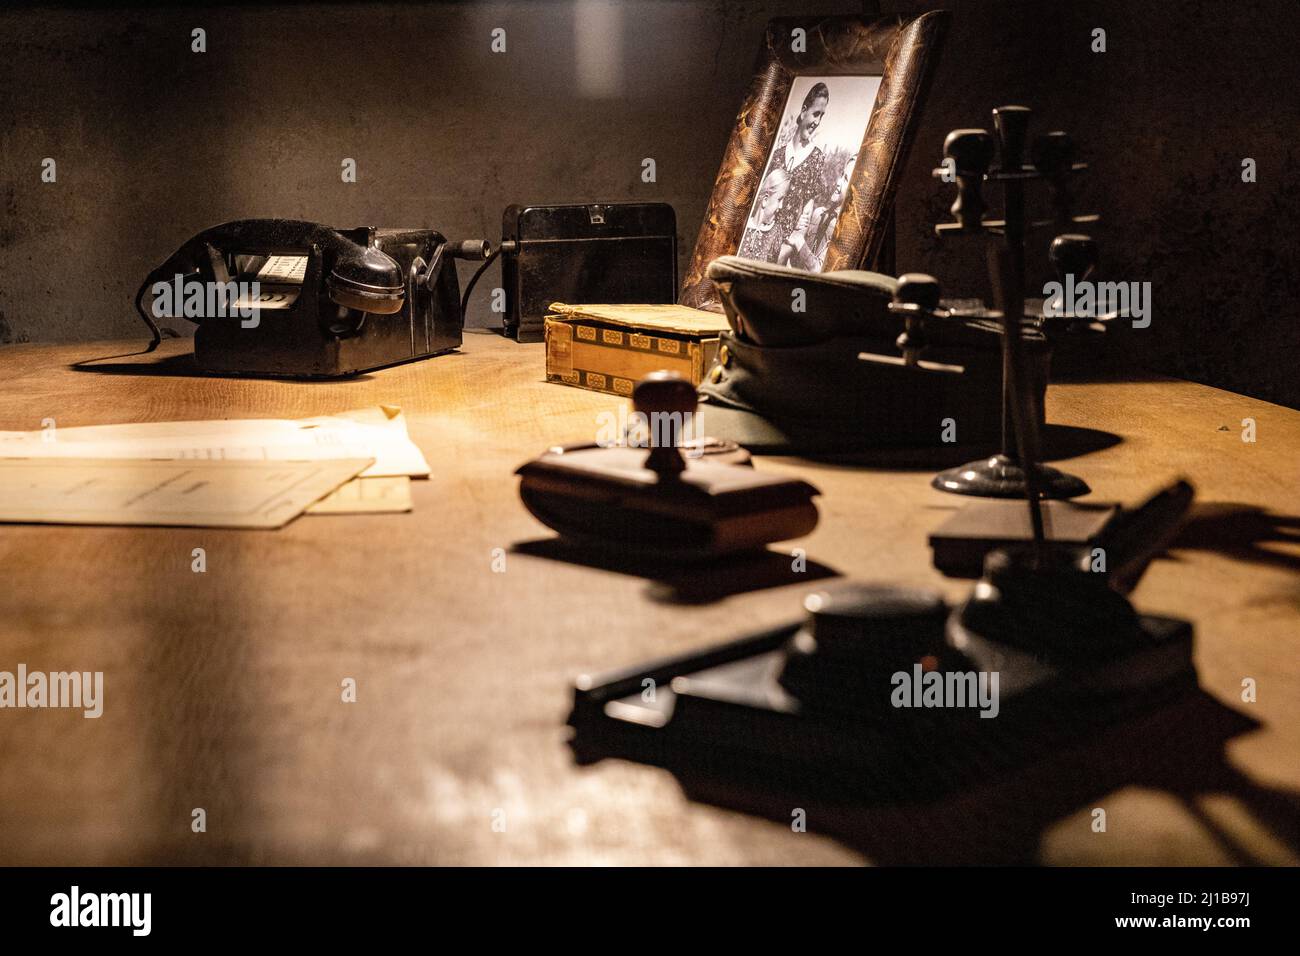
<point x="1183" y="93"/>
<point x="154" y="142"/>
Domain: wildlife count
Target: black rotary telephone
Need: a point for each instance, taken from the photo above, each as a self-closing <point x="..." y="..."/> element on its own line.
<point x="293" y="298"/>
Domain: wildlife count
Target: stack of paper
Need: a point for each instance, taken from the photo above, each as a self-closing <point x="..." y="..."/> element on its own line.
<point x="231" y="473"/>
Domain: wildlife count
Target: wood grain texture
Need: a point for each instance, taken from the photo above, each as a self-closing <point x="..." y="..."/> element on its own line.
<point x="222" y="689"/>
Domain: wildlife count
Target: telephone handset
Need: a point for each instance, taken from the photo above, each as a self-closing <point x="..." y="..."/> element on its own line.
<point x="288" y="297"/>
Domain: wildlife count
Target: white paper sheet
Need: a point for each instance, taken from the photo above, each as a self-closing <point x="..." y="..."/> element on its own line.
<point x="378" y="433"/>
<point x="203" y="493"/>
<point x="363" y="496"/>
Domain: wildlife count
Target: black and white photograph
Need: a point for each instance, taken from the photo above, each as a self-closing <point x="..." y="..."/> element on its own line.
<point x="805" y="183"/>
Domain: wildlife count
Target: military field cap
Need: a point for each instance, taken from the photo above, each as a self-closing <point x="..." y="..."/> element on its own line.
<point x="776" y="305"/>
<point x="816" y="393"/>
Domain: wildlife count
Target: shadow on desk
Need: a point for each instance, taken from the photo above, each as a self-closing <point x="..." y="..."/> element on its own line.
<point x="1060" y="442"/>
<point x="1242" y="532"/>
<point x="1002" y="818"/>
<point x="182" y="366"/>
<point x="691" y="583"/>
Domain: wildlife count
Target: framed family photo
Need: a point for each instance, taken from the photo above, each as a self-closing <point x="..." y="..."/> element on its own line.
<point x="813" y="162"/>
<point x="797" y="204"/>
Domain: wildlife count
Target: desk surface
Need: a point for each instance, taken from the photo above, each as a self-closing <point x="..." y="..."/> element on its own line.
<point x="222" y="689"/>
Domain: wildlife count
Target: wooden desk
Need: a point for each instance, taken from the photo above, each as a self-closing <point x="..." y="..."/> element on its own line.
<point x="223" y="688"/>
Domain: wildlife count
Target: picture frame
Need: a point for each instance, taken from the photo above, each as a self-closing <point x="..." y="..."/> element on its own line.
<point x="799" y="53"/>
